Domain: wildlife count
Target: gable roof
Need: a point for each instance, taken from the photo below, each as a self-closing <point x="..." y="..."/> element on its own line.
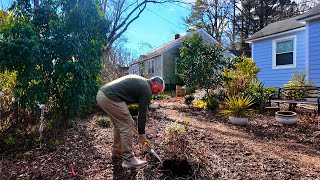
<point x="277" y="27"/>
<point x="161" y="49"/>
<point x="312" y="13"/>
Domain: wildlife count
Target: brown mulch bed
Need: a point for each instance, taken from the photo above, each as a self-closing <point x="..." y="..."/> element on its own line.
<point x="216" y="149"/>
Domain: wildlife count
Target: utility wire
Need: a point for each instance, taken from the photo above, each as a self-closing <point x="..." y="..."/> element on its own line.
<point x="165" y="19"/>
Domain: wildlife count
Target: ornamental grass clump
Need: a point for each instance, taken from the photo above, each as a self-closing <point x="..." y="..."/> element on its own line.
<point x="176" y="140"/>
<point x="212" y="103"/>
<point x="239" y="106"/>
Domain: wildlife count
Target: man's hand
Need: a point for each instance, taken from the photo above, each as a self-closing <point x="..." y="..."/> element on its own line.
<point x="142" y="139"/>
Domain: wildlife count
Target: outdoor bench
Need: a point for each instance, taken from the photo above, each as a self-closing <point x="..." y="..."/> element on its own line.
<point x="297" y="95"/>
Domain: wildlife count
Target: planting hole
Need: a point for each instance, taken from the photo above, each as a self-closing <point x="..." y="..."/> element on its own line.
<point x="177" y="168"/>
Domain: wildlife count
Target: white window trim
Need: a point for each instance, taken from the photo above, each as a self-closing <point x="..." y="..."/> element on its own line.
<point x="151" y="66"/>
<point x="274" y="47"/>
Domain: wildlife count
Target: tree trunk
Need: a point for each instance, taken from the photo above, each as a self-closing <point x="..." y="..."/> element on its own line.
<point x="216" y="22"/>
<point x="36" y="3"/>
<point x="261" y="15"/>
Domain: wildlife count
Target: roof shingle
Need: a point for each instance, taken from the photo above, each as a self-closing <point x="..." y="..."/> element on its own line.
<point x="278" y="27"/>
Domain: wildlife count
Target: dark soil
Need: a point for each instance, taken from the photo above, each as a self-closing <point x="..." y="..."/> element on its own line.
<point x="216" y="149"/>
<point x="177" y="167"/>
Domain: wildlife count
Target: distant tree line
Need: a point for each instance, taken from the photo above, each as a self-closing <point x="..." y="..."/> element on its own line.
<point x="233" y="21"/>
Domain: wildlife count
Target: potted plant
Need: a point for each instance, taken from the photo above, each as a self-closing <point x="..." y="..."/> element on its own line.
<point x="239" y="109"/>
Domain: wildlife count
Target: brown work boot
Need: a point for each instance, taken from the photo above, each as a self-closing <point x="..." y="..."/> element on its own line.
<point x="133" y="162"/>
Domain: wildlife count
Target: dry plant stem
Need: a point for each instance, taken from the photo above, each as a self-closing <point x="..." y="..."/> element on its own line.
<point x="1" y="166"/>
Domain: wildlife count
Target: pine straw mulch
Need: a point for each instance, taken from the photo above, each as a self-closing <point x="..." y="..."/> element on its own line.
<point x="215" y="149"/>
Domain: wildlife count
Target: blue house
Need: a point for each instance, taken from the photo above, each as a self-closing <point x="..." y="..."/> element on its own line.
<point x="285" y="47"/>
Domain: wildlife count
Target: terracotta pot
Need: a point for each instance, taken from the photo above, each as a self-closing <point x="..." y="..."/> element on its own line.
<point x="286" y="117"/>
<point x="238" y="121"/>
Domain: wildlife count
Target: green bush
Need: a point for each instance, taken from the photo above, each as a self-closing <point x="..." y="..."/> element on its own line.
<point x="52" y="143"/>
<point x="9" y="140"/>
<point x="160" y="97"/>
<point x="200" y="63"/>
<point x="188" y="99"/>
<point x="19" y="155"/>
<point x="212" y="103"/>
<point x="260" y="94"/>
<point x="7" y="83"/>
<point x="55" y="50"/>
<point x="239" y="78"/>
<point x="298" y="86"/>
<point x="134" y="109"/>
<point x="104" y="122"/>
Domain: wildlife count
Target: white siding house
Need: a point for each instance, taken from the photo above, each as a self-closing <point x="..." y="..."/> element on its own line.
<point x="162" y="60"/>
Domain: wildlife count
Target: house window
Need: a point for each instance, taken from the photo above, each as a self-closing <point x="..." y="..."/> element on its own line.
<point x="284" y="53"/>
<point x="151" y="67"/>
<point x="140" y="69"/>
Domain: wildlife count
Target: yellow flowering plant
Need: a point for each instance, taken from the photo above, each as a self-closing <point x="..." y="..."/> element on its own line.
<point x="199" y="103"/>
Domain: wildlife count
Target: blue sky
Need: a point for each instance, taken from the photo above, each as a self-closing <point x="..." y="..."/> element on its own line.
<point x="156" y="26"/>
<point x="5" y="3"/>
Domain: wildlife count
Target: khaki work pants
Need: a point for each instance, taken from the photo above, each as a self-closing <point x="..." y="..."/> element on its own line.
<point x="122" y="122"/>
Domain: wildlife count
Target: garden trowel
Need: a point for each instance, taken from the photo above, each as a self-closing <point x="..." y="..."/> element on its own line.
<point x="146" y="143"/>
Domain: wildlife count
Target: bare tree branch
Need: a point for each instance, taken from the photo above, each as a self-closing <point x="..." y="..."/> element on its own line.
<point x="122" y="14"/>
